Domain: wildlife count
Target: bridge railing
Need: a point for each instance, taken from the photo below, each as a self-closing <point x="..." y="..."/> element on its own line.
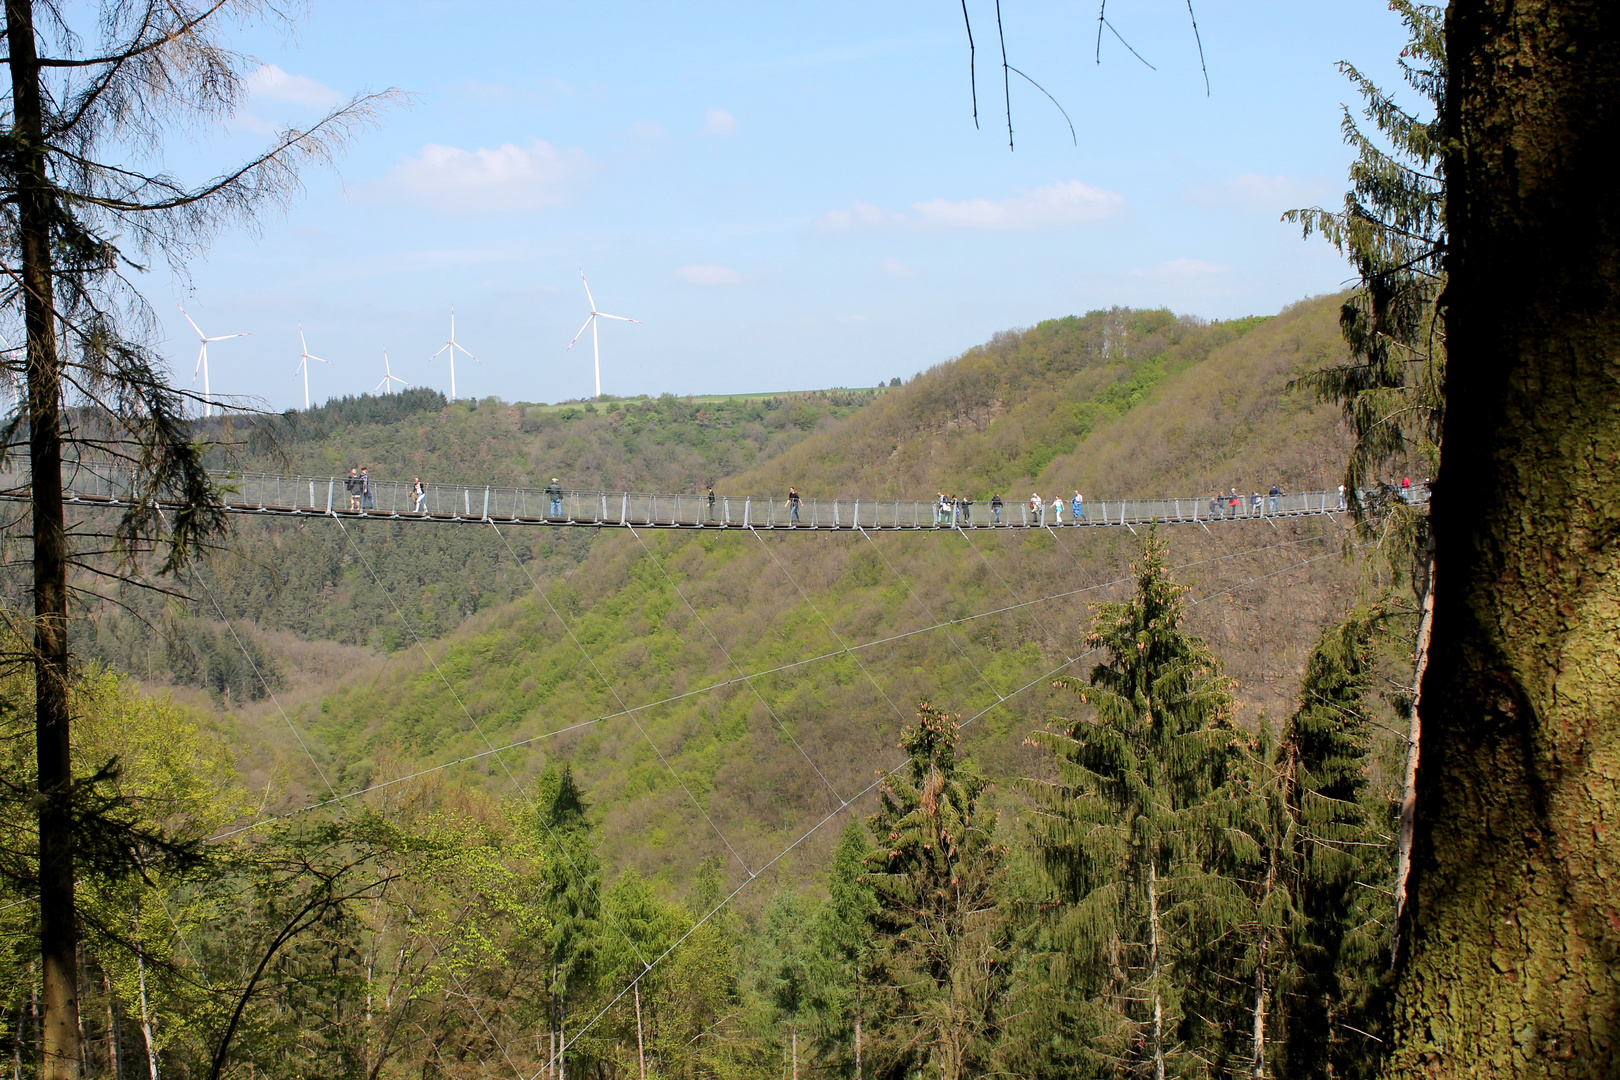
<point x="324" y="494"/>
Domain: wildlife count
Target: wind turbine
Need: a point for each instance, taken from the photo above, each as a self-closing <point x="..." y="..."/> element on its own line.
<point x="389" y="377"/>
<point x="450" y="347"/>
<point x="596" y="348"/>
<point x="303" y="363"/>
<point x="202" y="360"/>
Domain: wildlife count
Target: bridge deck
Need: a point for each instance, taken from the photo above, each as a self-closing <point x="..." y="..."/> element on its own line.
<point x="392" y="500"/>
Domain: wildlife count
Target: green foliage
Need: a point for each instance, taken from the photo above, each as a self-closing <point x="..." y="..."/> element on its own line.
<point x="1392" y="228"/>
<point x="1137" y="830"/>
<point x="842" y="951"/>
<point x="940" y="967"/>
<point x="1336" y="856"/>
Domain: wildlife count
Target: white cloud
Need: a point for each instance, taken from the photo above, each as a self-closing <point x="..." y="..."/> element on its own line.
<point x="270" y="83"/>
<point x="719" y="122"/>
<point x="1184" y="269"/>
<point x="708" y="274"/>
<point x="1066" y="202"/>
<point x="860" y="213"/>
<point x="1252" y="191"/>
<point x="509" y="177"/>
<point x="896" y="268"/>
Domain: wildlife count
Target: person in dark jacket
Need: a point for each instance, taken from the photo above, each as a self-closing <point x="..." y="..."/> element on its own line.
<point x="793" y="504"/>
<point x="995" y="508"/>
<point x="554" y="494"/>
<point x="352" y="483"/>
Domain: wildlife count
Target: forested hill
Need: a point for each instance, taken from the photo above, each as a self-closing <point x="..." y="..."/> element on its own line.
<point x="1045" y="404"/>
<point x="758" y="761"/>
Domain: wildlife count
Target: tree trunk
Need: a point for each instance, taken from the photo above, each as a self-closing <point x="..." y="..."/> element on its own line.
<point x="1513" y="941"/>
<point x="1414" y="742"/>
<point x="146" y="1019"/>
<point x="1153" y="969"/>
<point x="58" y="925"/>
<point x="641" y="1042"/>
<point x="857" y="1046"/>
<point x="115" y="1048"/>
<point x="1257" y="1063"/>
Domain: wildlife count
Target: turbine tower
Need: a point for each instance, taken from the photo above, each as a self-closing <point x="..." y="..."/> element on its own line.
<point x="389" y="377"/>
<point x="596" y="348"/>
<point x="450" y="347"/>
<point x="303" y="363"/>
<point x="202" y="360"/>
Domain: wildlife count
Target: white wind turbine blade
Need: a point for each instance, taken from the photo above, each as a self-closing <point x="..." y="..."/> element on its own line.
<point x="621" y="318"/>
<point x="582" y="330"/>
<point x="193" y="323"/>
<point x="223" y="337"/>
<point x="588" y="295"/>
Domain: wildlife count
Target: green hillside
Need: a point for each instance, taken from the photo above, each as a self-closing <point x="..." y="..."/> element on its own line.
<point x="1174" y="410"/>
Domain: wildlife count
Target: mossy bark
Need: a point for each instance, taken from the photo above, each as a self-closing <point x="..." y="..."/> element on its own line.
<point x="1512" y="961"/>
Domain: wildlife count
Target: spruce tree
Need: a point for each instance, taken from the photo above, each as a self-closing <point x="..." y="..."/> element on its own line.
<point x="940" y="939"/>
<point x="842" y="955"/>
<point x="1336" y="860"/>
<point x="573" y="893"/>
<point x="1135" y="832"/>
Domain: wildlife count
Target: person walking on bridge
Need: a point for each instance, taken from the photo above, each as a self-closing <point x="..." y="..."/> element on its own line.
<point x="420" y="491"/>
<point x="366" y="502"/>
<point x="711" y="502"/>
<point x="995" y="509"/>
<point x="1035" y="506"/>
<point x="1276" y="492"/>
<point x="1079" y="509"/>
<point x="554" y="494"/>
<point x="352" y="483"/>
<point x="793" y="504"/>
<point x="967" y="513"/>
<point x="1057" y="510"/>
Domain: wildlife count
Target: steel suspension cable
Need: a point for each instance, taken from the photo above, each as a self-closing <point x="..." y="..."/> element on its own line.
<point x="747" y="679"/>
<point x="622" y="708"/>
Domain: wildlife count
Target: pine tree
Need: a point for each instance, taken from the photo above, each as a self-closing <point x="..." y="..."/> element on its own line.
<point x="1136" y="832"/>
<point x="574" y="896"/>
<point x="1336" y="860"/>
<point x="940" y="938"/>
<point x="842" y="954"/>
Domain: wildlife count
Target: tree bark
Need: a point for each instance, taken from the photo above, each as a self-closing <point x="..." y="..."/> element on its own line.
<point x="1513" y="916"/>
<point x="1153" y="969"/>
<point x="1414" y="743"/>
<point x="641" y="1043"/>
<point x="58" y="931"/>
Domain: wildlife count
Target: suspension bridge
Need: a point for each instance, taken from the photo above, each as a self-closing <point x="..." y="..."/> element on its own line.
<point x="272" y="495"/>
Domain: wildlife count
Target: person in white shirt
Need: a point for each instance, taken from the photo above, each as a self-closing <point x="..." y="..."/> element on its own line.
<point x="1057" y="509"/>
<point x="1035" y="506"/>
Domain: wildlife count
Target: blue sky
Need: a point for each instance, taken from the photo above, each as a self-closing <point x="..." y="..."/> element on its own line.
<point x="788" y="196"/>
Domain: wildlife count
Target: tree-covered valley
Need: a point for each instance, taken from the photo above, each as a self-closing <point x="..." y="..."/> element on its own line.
<point x="457" y="787"/>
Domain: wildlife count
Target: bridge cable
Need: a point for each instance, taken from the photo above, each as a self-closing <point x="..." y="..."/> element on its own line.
<point x="747" y="679"/>
<point x="844" y="646"/>
<point x="929" y="612"/>
<point x="539" y="815"/>
<point x="622" y="707"/>
<point x="516" y="744"/>
<point x="883" y="776"/>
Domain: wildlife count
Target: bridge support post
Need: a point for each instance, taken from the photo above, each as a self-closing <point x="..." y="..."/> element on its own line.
<point x="329" y="484"/>
<point x="746" y="507"/>
<point x="624" y="508"/>
<point x="486" y="504"/>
